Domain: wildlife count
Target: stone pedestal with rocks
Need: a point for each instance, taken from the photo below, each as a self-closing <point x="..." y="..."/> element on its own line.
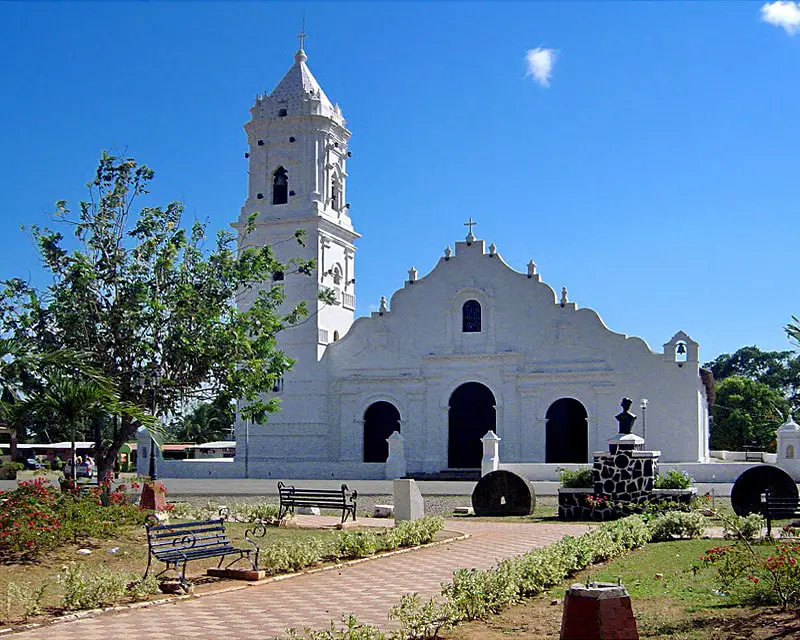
<point x="626" y="473"/>
<point x="622" y="478"/>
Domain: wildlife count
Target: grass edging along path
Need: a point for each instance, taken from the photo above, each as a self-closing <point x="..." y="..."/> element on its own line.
<point x="670" y="600"/>
<point x="443" y="537"/>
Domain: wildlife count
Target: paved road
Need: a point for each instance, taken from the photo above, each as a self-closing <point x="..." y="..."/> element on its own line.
<point x="255" y="487"/>
<point x="367" y="590"/>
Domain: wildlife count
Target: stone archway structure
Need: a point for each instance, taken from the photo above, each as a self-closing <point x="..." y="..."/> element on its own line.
<point x="567" y="432"/>
<point x="471" y="415"/>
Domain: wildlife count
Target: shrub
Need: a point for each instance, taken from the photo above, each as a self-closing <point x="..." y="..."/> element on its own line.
<point x="352" y="631"/>
<point x="421" y="620"/>
<point x="91" y="590"/>
<point x="26" y="597"/>
<point x="681" y="524"/>
<point x="30" y="522"/>
<point x="248" y="512"/>
<point x="35" y="518"/>
<point x="357" y="544"/>
<point x="578" y="479"/>
<point x="747" y="527"/>
<point x="284" y="556"/>
<point x="753" y="578"/>
<point x="673" y="480"/>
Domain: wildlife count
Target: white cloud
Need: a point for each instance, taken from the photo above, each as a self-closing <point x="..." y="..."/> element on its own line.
<point x="540" y="64"/>
<point x="782" y="14"/>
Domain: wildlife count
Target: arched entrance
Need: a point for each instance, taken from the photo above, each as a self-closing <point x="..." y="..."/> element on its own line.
<point x="567" y="432"/>
<point x="381" y="419"/>
<point x="471" y="415"/>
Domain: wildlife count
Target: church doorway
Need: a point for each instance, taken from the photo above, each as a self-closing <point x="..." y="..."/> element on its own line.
<point x="381" y="419"/>
<point x="471" y="415"/>
<point x="567" y="432"/>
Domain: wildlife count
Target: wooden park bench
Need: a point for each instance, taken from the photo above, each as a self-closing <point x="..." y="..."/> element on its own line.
<point x="342" y="500"/>
<point x="778" y="508"/>
<point x="177" y="544"/>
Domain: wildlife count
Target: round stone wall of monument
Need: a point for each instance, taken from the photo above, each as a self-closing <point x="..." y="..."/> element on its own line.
<point x="751" y="485"/>
<point x="502" y="493"/>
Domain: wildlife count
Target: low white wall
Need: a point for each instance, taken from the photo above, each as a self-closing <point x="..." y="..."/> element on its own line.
<point x="741" y="456"/>
<point x="698" y="471"/>
<point x="200" y="468"/>
<point x="539" y="470"/>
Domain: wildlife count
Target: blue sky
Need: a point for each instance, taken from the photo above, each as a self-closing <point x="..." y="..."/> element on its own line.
<point x="656" y="176"/>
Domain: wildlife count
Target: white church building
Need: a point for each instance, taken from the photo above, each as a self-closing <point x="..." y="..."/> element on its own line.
<point x="475" y="345"/>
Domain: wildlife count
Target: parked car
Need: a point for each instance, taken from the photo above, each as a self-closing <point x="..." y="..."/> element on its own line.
<point x="84" y="469"/>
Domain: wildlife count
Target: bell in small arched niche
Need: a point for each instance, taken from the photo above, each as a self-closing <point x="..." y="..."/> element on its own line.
<point x="681" y="350"/>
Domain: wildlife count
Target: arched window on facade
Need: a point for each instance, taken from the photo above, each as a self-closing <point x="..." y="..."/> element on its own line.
<point x="280" y="186"/>
<point x="381" y="419"/>
<point x="471" y="317"/>
<point x="282" y="113"/>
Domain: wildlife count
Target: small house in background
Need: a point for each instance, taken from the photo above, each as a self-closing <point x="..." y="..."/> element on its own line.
<point x="219" y="449"/>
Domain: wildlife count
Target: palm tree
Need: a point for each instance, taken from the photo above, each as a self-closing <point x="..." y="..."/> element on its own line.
<point x="74" y="400"/>
<point x="21" y="371"/>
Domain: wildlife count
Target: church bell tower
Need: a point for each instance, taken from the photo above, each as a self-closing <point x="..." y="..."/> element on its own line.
<point x="298" y="151"/>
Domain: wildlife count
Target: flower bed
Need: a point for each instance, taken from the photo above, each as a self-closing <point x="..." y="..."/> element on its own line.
<point x="584" y="504"/>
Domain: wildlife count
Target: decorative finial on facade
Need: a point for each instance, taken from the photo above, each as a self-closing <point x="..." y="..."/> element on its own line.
<point x="412" y="275"/>
<point x="470" y="224"/>
<point x="564" y="299"/>
<point x="383" y="308"/>
<point x="301" y="56"/>
<point x="492" y="249"/>
<point x="531" y="269"/>
<point x="447" y="253"/>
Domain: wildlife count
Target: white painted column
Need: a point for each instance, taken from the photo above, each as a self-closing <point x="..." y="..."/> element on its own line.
<point x="491" y="453"/>
<point x="396" y="462"/>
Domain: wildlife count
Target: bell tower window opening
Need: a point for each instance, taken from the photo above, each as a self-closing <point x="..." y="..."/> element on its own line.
<point x="280" y="186"/>
<point x="335" y="196"/>
<point x="471" y="317"/>
<point x="282" y="113"/>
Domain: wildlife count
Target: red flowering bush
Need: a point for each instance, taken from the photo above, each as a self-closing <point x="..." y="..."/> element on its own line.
<point x="35" y="518"/>
<point x="744" y="570"/>
<point x="29" y="518"/>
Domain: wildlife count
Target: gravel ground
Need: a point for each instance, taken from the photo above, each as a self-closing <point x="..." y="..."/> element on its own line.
<point x="434" y="505"/>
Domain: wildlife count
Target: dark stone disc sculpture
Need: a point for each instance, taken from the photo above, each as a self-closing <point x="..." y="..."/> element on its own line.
<point x="502" y="493"/>
<point x="747" y="490"/>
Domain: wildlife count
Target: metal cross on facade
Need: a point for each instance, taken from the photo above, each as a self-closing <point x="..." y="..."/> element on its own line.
<point x="470" y="224"/>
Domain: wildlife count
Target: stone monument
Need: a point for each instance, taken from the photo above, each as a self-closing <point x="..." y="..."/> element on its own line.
<point x="626" y="473"/>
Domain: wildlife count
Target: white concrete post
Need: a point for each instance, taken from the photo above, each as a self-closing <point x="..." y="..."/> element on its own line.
<point x="789" y="447"/>
<point x="396" y="462"/>
<point x="491" y="453"/>
<point x="142" y="452"/>
<point x="408" y="501"/>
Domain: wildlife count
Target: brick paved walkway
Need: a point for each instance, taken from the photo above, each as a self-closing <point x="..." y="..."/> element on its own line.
<point x="367" y="590"/>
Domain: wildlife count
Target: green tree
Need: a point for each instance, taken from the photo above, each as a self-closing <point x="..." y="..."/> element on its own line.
<point x="207" y="422"/>
<point x="746" y="413"/>
<point x="153" y="308"/>
<point x="779" y="370"/>
<point x="23" y="370"/>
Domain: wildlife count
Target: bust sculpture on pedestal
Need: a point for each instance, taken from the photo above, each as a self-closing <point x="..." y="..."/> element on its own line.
<point x="626" y="418"/>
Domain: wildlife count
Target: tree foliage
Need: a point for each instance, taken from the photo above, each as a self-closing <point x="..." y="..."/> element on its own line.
<point x="779" y="370"/>
<point x="207" y="422"/>
<point x="151" y="305"/>
<point x="746" y="413"/>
